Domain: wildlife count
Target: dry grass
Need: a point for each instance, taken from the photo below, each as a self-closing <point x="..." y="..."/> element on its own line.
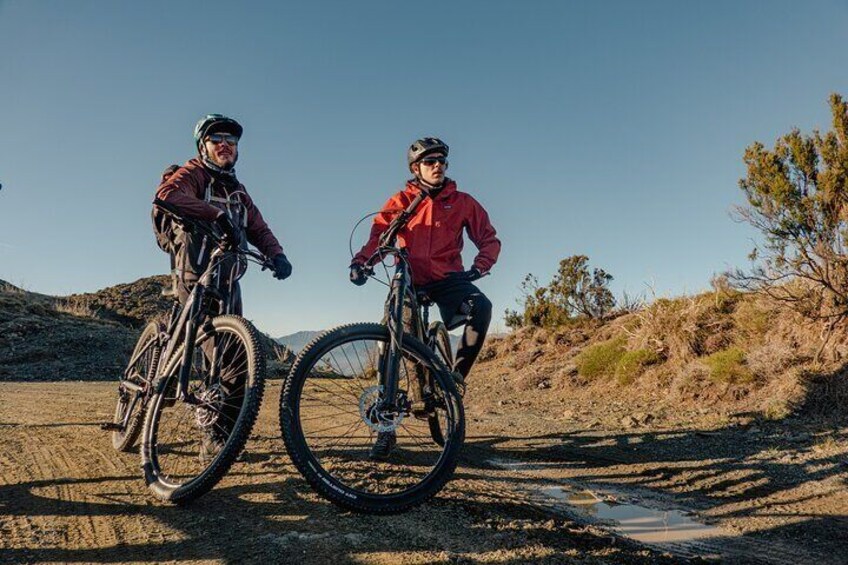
<point x="717" y="348"/>
<point x="74" y="307"/>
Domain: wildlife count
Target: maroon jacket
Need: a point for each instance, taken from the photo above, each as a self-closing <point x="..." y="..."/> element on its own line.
<point x="433" y="236"/>
<point x="186" y="190"/>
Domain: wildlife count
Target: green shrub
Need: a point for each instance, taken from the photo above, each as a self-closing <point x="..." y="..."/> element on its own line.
<point x="575" y="292"/>
<point x="633" y="363"/>
<point x="600" y="360"/>
<point x="728" y="366"/>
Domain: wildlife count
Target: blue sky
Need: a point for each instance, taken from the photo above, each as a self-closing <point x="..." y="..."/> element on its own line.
<point x="611" y="129"/>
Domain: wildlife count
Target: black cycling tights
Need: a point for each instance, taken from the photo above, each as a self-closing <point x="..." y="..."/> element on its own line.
<point x="479" y="317"/>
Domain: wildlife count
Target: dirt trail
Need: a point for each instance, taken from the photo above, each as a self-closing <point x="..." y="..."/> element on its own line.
<point x="66" y="496"/>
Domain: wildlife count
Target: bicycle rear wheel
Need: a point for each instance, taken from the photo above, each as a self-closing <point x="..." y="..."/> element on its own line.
<point x="189" y="445"/>
<point x="439" y="341"/>
<point x="330" y="418"/>
<point x="145" y="358"/>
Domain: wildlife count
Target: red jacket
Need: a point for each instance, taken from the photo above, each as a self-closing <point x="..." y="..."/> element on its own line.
<point x="186" y="189"/>
<point x="433" y="236"/>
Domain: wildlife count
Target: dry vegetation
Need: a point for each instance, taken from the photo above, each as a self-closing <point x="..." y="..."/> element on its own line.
<point x="742" y="351"/>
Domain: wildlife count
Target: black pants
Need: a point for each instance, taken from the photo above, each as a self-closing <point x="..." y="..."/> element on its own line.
<point x="461" y="302"/>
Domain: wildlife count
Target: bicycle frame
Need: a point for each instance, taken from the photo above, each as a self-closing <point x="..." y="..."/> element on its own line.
<point x="187" y="320"/>
<point x="399" y="285"/>
<point x="192" y="315"/>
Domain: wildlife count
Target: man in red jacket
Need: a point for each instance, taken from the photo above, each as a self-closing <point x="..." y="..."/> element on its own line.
<point x="206" y="188"/>
<point x="433" y="237"/>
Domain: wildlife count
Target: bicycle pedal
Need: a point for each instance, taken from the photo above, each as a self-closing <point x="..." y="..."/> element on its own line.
<point x="111" y="427"/>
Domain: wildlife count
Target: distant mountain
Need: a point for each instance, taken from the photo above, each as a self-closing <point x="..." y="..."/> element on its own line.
<point x="348" y="356"/>
<point x="298" y="340"/>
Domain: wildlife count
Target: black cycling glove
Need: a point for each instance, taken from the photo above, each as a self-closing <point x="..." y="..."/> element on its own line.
<point x="282" y="267"/>
<point x="229" y="231"/>
<point x="358" y="274"/>
<point x="470" y="275"/>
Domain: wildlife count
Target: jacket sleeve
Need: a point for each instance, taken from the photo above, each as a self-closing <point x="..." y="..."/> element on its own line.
<point x="381" y="221"/>
<point x="482" y="233"/>
<point x="184" y="190"/>
<point x="258" y="232"/>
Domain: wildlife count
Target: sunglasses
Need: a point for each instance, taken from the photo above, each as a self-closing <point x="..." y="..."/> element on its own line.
<point x="430" y="161"/>
<point x="218" y="138"/>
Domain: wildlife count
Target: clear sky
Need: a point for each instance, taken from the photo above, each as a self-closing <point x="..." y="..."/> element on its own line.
<point x="611" y="129"/>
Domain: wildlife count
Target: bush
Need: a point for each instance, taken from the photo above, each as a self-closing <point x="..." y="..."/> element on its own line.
<point x="633" y="363"/>
<point x="728" y="366"/>
<point x="796" y="199"/>
<point x="600" y="360"/>
<point x="575" y="292"/>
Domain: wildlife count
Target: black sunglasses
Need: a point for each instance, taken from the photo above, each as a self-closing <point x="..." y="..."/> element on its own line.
<point x="433" y="160"/>
<point x="218" y="138"/>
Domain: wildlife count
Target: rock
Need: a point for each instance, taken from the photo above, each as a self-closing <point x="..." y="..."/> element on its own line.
<point x="629" y="422"/>
<point x="544" y="384"/>
<point x="642" y="418"/>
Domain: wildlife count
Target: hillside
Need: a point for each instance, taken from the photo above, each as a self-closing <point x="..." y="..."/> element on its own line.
<point x="48" y="338"/>
<point x="723" y="355"/>
<point x="84" y="336"/>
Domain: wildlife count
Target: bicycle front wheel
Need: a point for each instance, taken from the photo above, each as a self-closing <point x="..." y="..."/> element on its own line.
<point x="333" y="412"/>
<point x="189" y="444"/>
<point x="129" y="411"/>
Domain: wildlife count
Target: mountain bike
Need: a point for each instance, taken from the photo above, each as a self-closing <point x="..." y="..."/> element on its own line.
<point x="356" y="382"/>
<point x="198" y="380"/>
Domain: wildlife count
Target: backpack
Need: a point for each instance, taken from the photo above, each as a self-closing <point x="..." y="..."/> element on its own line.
<point x="163" y="224"/>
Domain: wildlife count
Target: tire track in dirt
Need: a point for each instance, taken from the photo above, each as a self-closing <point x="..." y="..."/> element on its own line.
<point x="67" y="466"/>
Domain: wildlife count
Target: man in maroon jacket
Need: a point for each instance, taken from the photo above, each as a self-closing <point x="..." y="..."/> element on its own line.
<point x="206" y="188"/>
<point x="433" y="239"/>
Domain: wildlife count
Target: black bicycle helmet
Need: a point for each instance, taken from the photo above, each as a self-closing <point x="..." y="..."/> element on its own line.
<point x="423" y="147"/>
<point x="216" y="123"/>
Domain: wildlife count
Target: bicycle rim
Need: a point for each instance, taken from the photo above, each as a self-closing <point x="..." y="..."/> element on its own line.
<point x="190" y="445"/>
<point x="331" y="422"/>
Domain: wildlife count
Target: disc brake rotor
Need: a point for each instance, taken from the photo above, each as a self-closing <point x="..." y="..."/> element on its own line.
<point x="210" y="403"/>
<point x="375" y="418"/>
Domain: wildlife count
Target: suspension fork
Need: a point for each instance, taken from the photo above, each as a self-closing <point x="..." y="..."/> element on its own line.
<point x="190" y="337"/>
<point x="391" y="366"/>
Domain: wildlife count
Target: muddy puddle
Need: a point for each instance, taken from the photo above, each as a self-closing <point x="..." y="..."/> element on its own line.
<point x="640" y="523"/>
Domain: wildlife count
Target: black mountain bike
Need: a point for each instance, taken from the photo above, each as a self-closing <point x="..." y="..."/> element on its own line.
<point x="198" y="381"/>
<point x="355" y="382"/>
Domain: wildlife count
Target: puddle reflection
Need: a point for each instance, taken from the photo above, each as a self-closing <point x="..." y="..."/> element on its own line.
<point x="640" y="523"/>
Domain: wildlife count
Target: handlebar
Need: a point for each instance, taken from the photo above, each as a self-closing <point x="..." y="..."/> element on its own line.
<point x="389" y="236"/>
<point x="203" y="227"/>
